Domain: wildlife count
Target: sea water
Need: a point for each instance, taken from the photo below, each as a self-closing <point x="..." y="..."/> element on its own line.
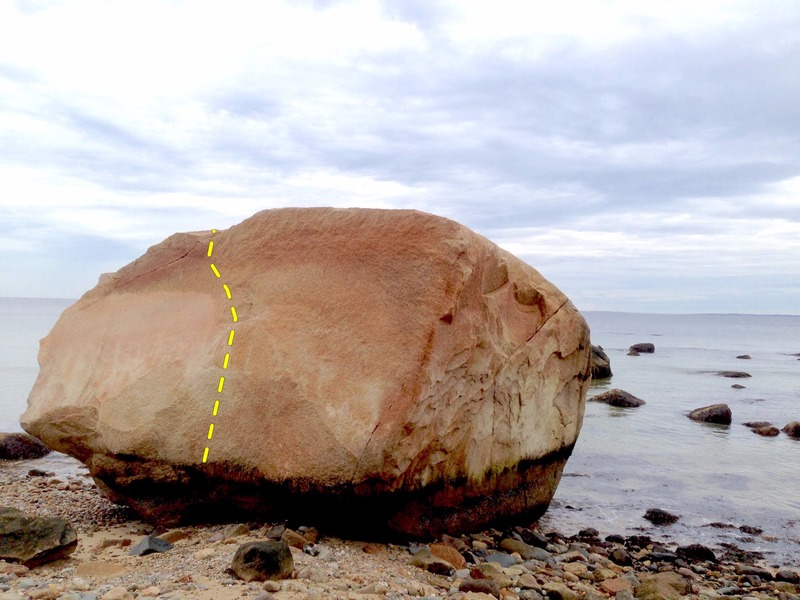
<point x="630" y="459"/>
<point x="626" y="460"/>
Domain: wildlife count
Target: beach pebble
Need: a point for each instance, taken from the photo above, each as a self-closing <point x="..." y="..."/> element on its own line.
<point x="150" y="544"/>
<point x="449" y="554"/>
<point x="259" y="561"/>
<point x="559" y="591"/>
<point x="150" y="592"/>
<point x="117" y="593"/>
<point x="204" y="554"/>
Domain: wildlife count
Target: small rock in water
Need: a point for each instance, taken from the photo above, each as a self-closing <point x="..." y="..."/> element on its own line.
<point x="751" y="530"/>
<point x="744" y="357"/>
<point x="715" y="413"/>
<point x="633" y="353"/>
<point x="262" y="561"/>
<point x="150" y="544"/>
<point x="734" y="374"/>
<point x="767" y="431"/>
<point x="644" y="347"/>
<point x="658" y="516"/>
<point x="738" y="386"/>
<point x="617" y="397"/>
<point x="21" y="446"/>
<point x="601" y="364"/>
<point x="792" y="430"/>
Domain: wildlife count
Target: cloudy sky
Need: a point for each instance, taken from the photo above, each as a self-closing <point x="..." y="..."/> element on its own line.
<point x="644" y="156"/>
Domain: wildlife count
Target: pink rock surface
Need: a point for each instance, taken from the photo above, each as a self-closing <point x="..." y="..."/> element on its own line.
<point x="392" y="361"/>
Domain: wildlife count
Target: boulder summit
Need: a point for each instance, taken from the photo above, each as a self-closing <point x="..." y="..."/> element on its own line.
<point x="391" y="369"/>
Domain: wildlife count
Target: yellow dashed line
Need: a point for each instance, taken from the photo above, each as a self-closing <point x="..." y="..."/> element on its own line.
<point x="227" y="358"/>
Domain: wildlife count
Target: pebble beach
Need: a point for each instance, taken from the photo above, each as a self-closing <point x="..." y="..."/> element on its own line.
<point x="519" y="562"/>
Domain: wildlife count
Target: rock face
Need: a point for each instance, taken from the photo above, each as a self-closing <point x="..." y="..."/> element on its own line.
<point x="390" y="365"/>
<point x="716" y="413"/>
<point x="601" y="364"/>
<point x="21" y="446"/>
<point x="619" y="398"/>
<point x="32" y="540"/>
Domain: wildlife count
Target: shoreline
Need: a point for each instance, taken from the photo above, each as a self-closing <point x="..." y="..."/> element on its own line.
<point x="553" y="565"/>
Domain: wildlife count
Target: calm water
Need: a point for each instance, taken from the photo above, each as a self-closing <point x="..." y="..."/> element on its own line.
<point x="626" y="460"/>
<point x="629" y="460"/>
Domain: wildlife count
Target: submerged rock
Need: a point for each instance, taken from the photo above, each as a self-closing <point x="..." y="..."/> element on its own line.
<point x="388" y="369"/>
<point x="32" y="540"/>
<point x="744" y="357"/>
<point x="643" y="348"/>
<point x="715" y="413"/>
<point x="601" y="364"/>
<point x="21" y="446"/>
<point x="734" y="374"/>
<point x="658" y="516"/>
<point x="763" y="428"/>
<point x="792" y="429"/>
<point x="619" y="398"/>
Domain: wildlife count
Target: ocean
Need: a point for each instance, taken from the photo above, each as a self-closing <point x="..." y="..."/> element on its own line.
<point x="626" y="460"/>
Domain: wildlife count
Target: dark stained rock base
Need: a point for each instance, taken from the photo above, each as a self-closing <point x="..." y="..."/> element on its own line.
<point x="170" y="495"/>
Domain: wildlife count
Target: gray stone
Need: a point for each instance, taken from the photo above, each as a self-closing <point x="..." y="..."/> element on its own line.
<point x="32" y="540"/>
<point x="502" y="559"/>
<point x="260" y="561"/>
<point x="150" y="544"/>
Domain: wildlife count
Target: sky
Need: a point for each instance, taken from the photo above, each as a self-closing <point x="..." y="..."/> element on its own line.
<point x="643" y="156"/>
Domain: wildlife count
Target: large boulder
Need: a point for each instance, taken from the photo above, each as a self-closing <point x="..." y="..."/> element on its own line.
<point x="388" y="368"/>
<point x="601" y="364"/>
